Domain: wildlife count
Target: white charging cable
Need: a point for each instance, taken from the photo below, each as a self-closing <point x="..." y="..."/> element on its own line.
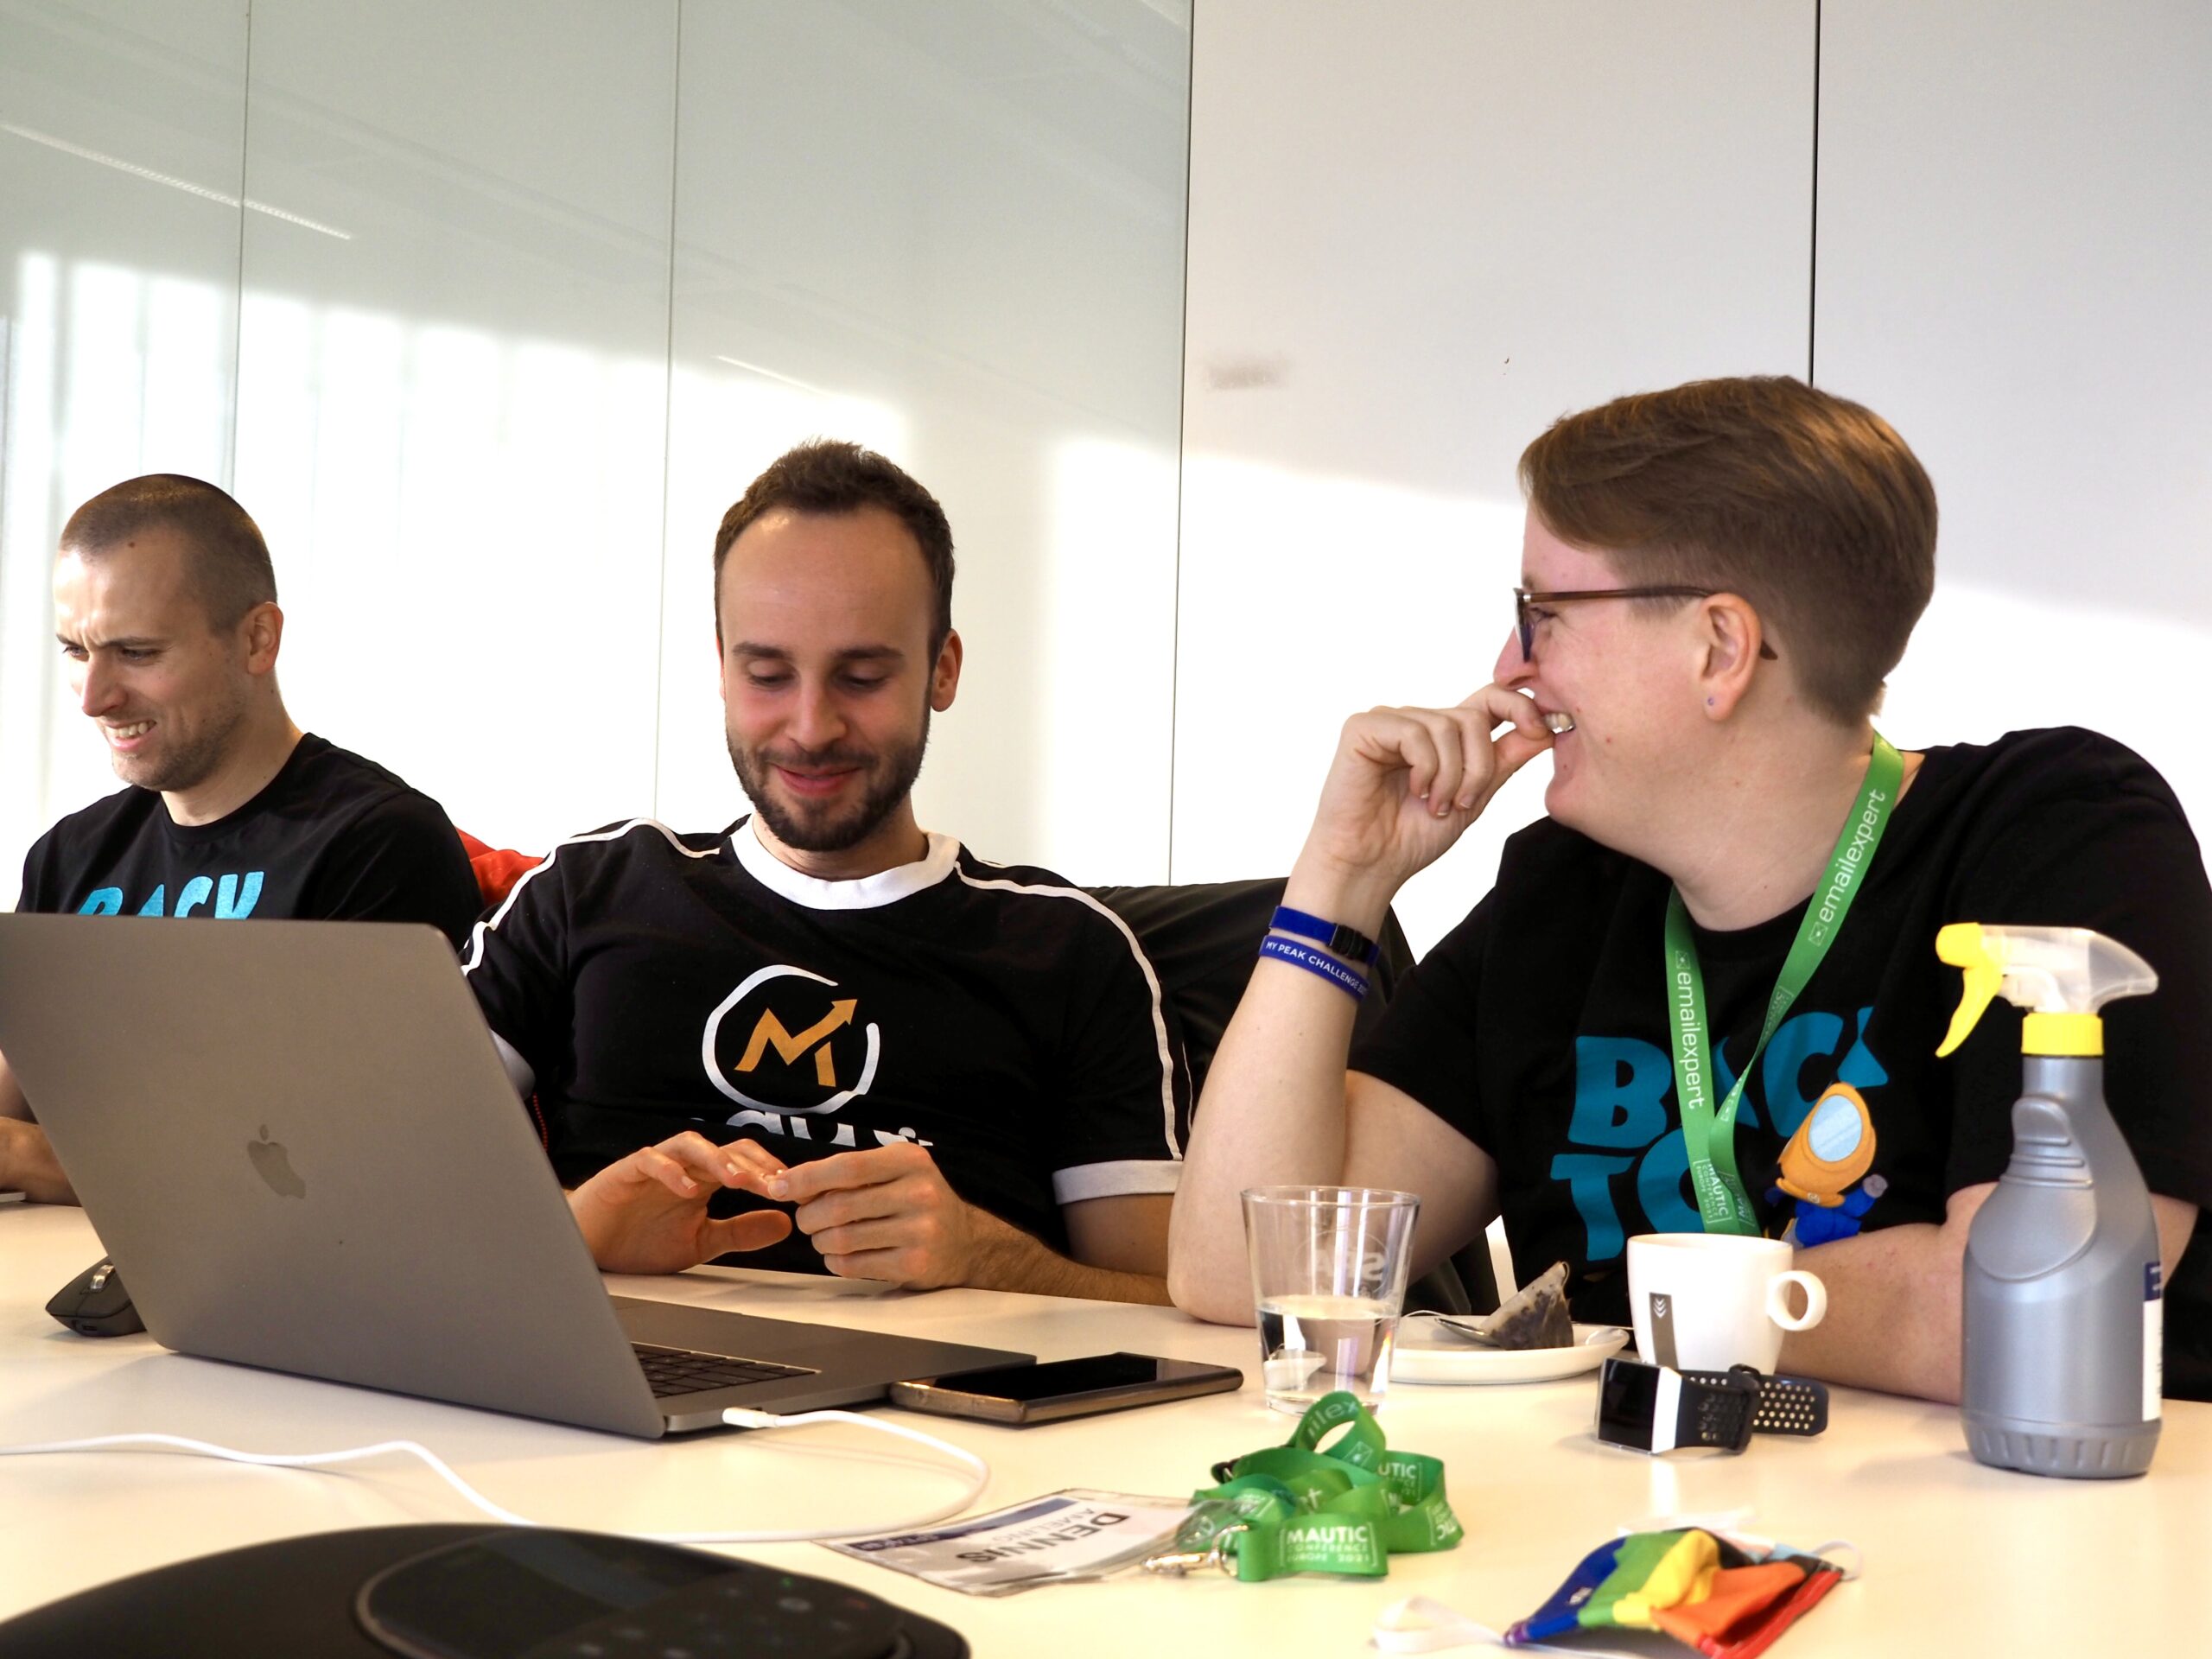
<point x="444" y="1471"/>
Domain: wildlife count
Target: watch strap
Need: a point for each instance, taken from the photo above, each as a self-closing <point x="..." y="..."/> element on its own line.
<point x="1714" y="1409"/>
<point x="1783" y="1405"/>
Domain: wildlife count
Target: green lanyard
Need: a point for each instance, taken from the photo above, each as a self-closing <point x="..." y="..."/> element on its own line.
<point x="1710" y="1135"/>
<point x="1292" y="1508"/>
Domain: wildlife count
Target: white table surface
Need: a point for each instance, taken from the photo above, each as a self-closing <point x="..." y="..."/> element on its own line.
<point x="1959" y="1559"/>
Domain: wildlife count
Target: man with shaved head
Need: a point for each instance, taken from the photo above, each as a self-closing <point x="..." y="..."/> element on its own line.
<point x="165" y="605"/>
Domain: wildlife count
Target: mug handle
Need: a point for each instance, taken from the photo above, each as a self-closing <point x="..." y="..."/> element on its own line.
<point x="1778" y="1300"/>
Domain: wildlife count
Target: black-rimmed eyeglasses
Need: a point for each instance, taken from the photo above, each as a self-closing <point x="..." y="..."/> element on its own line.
<point x="1527" y="607"/>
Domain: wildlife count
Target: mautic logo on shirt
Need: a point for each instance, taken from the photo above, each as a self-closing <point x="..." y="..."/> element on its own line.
<point x="234" y="897"/>
<point x="1626" y="1117"/>
<point x="784" y="1041"/>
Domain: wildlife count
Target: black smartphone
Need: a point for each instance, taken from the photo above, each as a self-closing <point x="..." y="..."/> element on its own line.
<point x="1064" y="1387"/>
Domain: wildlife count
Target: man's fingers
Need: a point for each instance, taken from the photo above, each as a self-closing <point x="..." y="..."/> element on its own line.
<point x="753" y="1230"/>
<point x="843" y="1171"/>
<point x="1457" y="758"/>
<point x="1501" y="706"/>
<point x="1516" y="749"/>
<point x="1417" y="749"/>
<point x="1402" y="737"/>
<point x="849" y="1238"/>
<point x="739" y="1164"/>
<point x="1525" y="736"/>
<point x="755" y="1161"/>
<point x="845" y="1205"/>
<point x="889" y="1266"/>
<point x="658" y="1165"/>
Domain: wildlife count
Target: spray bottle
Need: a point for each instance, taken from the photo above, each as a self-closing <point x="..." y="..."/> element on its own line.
<point x="2062" y="1316"/>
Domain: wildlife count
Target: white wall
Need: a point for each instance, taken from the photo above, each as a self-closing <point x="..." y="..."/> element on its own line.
<point x="504" y="267"/>
<point x="1418" y="232"/>
<point x="2016" y="226"/>
<point x="525" y="292"/>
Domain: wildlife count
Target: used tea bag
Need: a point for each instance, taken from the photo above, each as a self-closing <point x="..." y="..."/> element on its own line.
<point x="1535" y="1316"/>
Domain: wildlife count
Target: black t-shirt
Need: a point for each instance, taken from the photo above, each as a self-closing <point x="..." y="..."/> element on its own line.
<point x="658" y="983"/>
<point x="1539" y="1027"/>
<point x="331" y="836"/>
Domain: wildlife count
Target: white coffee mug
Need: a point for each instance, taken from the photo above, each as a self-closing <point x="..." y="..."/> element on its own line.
<point x="1704" y="1301"/>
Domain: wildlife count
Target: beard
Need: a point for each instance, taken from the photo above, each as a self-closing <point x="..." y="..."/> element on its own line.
<point x="830" y="827"/>
<point x="187" y="760"/>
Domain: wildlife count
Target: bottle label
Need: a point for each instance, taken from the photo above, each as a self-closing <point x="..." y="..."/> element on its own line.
<point x="2154" y="1341"/>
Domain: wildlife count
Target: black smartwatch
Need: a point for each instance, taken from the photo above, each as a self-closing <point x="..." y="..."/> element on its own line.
<point x="1651" y="1409"/>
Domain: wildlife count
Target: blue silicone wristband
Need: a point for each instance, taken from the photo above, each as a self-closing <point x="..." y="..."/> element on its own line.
<point x="1347" y="980"/>
<point x="1332" y="936"/>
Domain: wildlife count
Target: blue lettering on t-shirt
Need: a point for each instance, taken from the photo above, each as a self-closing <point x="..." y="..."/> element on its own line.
<point x="1587" y="1176"/>
<point x="230" y="903"/>
<point x="1624" y="1091"/>
<point x="1659" y="1186"/>
<point x="1620" y="1092"/>
<point x="235" y="897"/>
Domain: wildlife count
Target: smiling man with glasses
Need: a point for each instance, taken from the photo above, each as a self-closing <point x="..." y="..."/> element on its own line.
<point x="1731" y="905"/>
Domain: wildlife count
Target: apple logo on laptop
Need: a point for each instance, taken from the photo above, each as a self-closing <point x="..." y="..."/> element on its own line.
<point x="274" y="1165"/>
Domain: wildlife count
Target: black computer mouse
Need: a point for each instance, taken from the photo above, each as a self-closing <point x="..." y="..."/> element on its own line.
<point x="95" y="1304"/>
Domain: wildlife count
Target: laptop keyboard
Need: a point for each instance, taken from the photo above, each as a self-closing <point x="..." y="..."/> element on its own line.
<point x="682" y="1370"/>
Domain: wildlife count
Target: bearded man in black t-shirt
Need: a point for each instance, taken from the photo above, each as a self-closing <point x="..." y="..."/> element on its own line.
<point x="854" y="1047"/>
<point x="165" y="602"/>
<point x="1715" y="581"/>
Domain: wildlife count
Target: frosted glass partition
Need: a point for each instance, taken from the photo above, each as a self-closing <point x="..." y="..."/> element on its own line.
<point x="452" y="387"/>
<point x="523" y="294"/>
<point x="954" y="233"/>
<point x="120" y="128"/>
<point x="1421" y="232"/>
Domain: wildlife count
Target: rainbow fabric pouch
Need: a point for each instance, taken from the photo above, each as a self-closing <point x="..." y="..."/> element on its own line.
<point x="1726" y="1599"/>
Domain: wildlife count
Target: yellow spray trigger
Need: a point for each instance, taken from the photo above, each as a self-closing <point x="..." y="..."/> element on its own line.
<point x="1961" y="944"/>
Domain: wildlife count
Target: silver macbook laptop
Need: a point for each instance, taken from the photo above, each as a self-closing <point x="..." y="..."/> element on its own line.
<point x="298" y="1142"/>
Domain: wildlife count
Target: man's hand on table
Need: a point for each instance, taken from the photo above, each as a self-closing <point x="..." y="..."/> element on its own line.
<point x="27" y="1164"/>
<point x="648" y="1212"/>
<point x="889" y="1214"/>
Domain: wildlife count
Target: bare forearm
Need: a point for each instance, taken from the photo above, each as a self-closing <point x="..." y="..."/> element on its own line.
<point x="1006" y="1258"/>
<point x="1274" y="1112"/>
<point x="27" y="1164"/>
<point x="12" y="1104"/>
<point x="1893" y="1322"/>
<point x="1895" y="1299"/>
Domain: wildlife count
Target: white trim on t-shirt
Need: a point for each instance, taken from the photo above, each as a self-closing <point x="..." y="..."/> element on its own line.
<point x="1117" y="1179"/>
<point x="492" y="922"/>
<point x="1144" y="965"/>
<point x="860" y="893"/>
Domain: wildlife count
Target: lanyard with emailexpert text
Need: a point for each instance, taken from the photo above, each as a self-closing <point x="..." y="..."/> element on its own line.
<point x="1709" y="1135"/>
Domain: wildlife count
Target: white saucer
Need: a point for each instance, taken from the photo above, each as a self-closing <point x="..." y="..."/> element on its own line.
<point x="1428" y="1353"/>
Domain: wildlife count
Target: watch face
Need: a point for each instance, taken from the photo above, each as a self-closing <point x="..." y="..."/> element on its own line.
<point x="1628" y="1397"/>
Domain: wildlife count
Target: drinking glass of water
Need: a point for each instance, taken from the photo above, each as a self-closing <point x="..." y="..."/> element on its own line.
<point x="1329" y="1281"/>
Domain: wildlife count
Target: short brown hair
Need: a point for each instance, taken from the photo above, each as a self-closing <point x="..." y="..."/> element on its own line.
<point x="828" y="476"/>
<point x="1808" y="505"/>
<point x="230" y="569"/>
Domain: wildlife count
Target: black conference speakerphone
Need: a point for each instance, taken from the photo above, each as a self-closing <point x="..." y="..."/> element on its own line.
<point x="473" y="1593"/>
